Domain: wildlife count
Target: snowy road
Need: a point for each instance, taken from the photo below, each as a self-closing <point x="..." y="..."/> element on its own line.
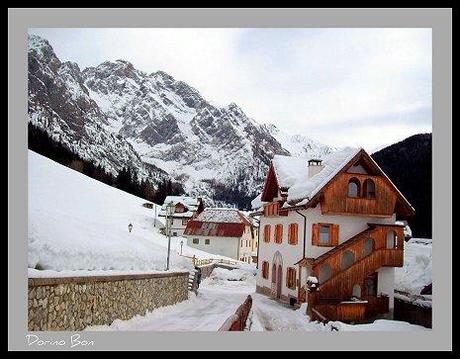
<point x="218" y="298"/>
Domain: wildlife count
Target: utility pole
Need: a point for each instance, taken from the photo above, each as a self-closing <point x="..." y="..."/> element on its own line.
<point x="168" y="227"/>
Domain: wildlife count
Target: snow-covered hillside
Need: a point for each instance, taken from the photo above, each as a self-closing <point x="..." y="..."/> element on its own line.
<point x="417" y="270"/>
<point x="77" y="223"/>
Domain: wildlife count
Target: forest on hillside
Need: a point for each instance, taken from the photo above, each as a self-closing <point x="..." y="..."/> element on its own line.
<point x="408" y="165"/>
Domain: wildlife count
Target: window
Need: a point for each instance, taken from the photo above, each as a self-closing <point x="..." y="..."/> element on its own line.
<point x="325" y="272"/>
<point x="174" y="234"/>
<point x="293" y="233"/>
<point x="267" y="233"/>
<point x="325" y="234"/>
<point x="392" y="240"/>
<point x="278" y="233"/>
<point x="265" y="269"/>
<point x="368" y="247"/>
<point x="271" y="209"/>
<point x="196" y="241"/>
<point x="356" y="291"/>
<point x="207" y="241"/>
<point x="348" y="258"/>
<point x="369" y="188"/>
<point x="241" y="243"/>
<point x="353" y="187"/>
<point x="291" y="277"/>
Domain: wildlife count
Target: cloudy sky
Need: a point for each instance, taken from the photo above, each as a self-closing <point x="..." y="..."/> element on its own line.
<point x="356" y="87"/>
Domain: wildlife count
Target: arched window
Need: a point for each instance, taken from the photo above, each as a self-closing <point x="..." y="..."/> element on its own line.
<point x="356" y="291"/>
<point x="392" y="240"/>
<point x="348" y="258"/>
<point x="368" y="247"/>
<point x="325" y="272"/>
<point x="369" y="188"/>
<point x="273" y="273"/>
<point x="353" y="187"/>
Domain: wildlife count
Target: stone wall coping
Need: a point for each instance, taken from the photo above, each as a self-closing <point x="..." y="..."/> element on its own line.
<point x="41" y="281"/>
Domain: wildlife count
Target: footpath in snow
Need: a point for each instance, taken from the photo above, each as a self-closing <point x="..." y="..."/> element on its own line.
<point x="219" y="296"/>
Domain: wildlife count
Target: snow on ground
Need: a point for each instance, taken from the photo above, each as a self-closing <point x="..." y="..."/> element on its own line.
<point x="383" y="325"/>
<point x="79" y="224"/>
<point x="217" y="299"/>
<point x="219" y="296"/>
<point x="416" y="272"/>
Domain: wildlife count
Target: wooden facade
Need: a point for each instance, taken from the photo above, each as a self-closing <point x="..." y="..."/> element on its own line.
<point x="341" y="281"/>
<point x="337" y="201"/>
<point x="332" y="297"/>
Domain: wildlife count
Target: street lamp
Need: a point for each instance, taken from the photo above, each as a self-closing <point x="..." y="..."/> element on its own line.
<point x="169" y="212"/>
<point x="181" y="244"/>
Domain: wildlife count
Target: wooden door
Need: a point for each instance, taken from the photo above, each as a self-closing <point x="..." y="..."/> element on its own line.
<point x="278" y="281"/>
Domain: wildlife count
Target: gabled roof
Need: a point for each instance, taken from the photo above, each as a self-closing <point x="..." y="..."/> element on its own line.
<point x="220" y="222"/>
<point x="302" y="191"/>
<point x="305" y="187"/>
<point x="222" y="215"/>
<point x="189" y="202"/>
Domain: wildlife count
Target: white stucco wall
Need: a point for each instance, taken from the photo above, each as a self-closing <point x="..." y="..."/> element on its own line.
<point x="348" y="227"/>
<point x="224" y="246"/>
<point x="385" y="283"/>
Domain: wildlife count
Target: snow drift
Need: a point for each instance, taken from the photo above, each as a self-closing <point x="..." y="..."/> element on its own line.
<point x="78" y="223"/>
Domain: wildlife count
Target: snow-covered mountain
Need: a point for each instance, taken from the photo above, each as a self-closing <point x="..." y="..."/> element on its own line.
<point x="116" y="114"/>
<point x="60" y="103"/>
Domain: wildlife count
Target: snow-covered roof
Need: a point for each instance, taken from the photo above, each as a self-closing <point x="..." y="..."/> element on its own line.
<point x="289" y="170"/>
<point x="222" y="215"/>
<point x="304" y="188"/>
<point x="257" y="203"/>
<point x="189" y="202"/>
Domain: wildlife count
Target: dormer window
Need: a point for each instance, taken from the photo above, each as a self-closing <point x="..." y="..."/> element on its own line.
<point x="353" y="188"/>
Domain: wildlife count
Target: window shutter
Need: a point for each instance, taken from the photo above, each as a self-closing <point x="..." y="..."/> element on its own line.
<point x="315" y="234"/>
<point x="334" y="234"/>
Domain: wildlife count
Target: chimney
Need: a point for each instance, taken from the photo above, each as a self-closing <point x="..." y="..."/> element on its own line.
<point x="314" y="167"/>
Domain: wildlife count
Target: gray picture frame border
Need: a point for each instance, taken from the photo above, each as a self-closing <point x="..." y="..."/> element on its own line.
<point x="439" y="20"/>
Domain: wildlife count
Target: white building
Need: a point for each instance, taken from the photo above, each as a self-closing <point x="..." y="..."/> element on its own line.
<point x="222" y="231"/>
<point x="185" y="208"/>
<point x="328" y="235"/>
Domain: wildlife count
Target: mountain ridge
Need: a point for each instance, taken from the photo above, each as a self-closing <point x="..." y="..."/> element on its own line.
<point x="118" y="115"/>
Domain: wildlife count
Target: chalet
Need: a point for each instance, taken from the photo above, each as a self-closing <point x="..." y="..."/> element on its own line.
<point x="185" y="208"/>
<point x="222" y="231"/>
<point x="329" y="237"/>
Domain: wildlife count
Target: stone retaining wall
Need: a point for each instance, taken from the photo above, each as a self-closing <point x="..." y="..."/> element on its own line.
<point x="73" y="303"/>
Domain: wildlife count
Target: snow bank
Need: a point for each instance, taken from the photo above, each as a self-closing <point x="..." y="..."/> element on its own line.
<point x="231" y="275"/>
<point x="78" y="223"/>
<point x="378" y="325"/>
<point x="417" y="270"/>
